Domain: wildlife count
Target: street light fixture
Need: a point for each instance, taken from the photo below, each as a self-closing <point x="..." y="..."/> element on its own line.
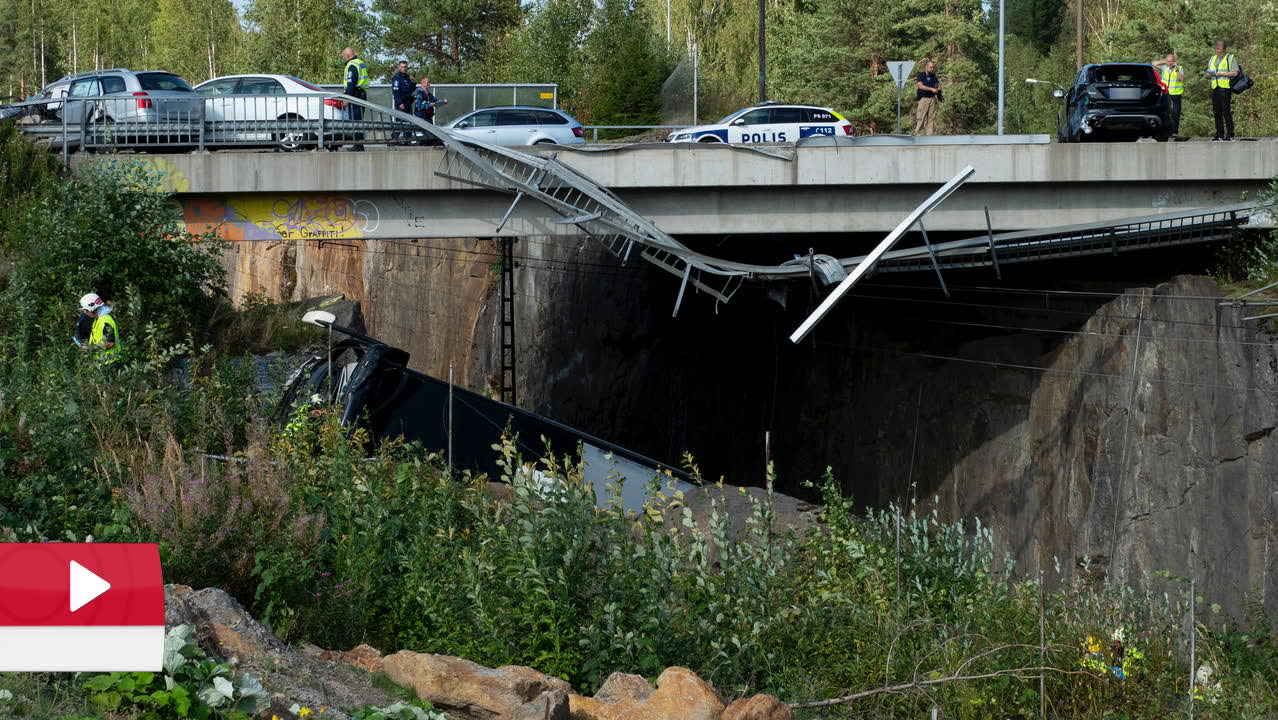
<point x="1059" y="94"/>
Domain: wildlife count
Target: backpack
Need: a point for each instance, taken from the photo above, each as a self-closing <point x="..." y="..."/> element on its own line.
<point x="1241" y="82"/>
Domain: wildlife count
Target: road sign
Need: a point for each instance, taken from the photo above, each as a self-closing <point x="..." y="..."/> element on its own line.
<point x="901" y="71"/>
<point x="81" y="607"/>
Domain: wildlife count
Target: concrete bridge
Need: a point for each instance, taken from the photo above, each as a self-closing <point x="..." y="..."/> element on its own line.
<point x="719" y="189"/>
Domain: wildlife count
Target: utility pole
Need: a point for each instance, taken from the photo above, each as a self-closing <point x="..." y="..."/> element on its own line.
<point x="763" y="57"/>
<point x="1001" y="73"/>
<point x="1078" y="27"/>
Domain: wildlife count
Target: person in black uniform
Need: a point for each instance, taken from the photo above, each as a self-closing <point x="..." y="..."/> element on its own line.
<point x="402" y="86"/>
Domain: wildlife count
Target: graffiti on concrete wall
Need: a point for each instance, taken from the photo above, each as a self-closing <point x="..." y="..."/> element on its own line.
<point x="304" y="216"/>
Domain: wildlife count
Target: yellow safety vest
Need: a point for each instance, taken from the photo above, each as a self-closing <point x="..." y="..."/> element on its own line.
<point x="96" y="337"/>
<point x="1219" y="63"/>
<point x="1174" y="80"/>
<point x="360" y="68"/>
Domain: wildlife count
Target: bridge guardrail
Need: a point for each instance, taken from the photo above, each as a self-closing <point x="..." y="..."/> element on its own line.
<point x="288" y="122"/>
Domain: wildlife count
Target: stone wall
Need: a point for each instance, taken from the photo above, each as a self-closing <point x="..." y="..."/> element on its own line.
<point x="1131" y="429"/>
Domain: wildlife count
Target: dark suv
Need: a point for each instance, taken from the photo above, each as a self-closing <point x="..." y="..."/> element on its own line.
<point x="1116" y="101"/>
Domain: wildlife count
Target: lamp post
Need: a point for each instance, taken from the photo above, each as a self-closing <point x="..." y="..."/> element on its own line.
<point x="763" y="56"/>
<point x="1001" y="67"/>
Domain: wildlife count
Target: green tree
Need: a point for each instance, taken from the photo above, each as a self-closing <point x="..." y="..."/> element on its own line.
<point x="111" y="230"/>
<point x="304" y="37"/>
<point x="447" y="35"/>
<point x="1037" y="22"/>
<point x="197" y="39"/>
<point x="628" y="69"/>
<point x="835" y="52"/>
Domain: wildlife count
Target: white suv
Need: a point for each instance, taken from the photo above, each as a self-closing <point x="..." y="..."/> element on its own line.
<point x="768" y="123"/>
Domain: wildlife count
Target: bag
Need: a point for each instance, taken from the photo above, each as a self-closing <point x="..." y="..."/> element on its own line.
<point x="1241" y="81"/>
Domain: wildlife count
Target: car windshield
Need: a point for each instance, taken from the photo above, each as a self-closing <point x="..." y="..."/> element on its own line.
<point x="1123" y="73"/>
<point x="163" y="81"/>
<point x="726" y="118"/>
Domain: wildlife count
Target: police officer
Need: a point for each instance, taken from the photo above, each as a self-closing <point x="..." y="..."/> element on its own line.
<point x="402" y="86"/>
<point x="1174" y="78"/>
<point x="356" y="86"/>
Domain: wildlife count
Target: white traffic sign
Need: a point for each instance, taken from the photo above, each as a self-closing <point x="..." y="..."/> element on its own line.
<point x="901" y="71"/>
<point x="85" y="586"/>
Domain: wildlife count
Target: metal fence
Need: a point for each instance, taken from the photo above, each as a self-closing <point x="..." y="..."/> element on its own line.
<point x="198" y="122"/>
<point x="463" y="98"/>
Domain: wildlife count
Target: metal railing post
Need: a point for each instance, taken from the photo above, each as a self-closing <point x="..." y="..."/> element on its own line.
<point x="203" y="117"/>
<point x="320" y="140"/>
<point x="595" y="135"/>
<point x="65" y="159"/>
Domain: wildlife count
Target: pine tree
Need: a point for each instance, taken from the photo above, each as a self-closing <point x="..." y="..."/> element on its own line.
<point x="197" y="39"/>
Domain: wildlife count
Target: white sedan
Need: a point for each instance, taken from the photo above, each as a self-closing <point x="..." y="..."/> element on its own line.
<point x="768" y="123"/>
<point x="239" y="102"/>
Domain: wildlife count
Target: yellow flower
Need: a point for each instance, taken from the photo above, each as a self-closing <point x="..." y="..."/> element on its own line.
<point x="303" y="712"/>
<point x="1092" y="644"/>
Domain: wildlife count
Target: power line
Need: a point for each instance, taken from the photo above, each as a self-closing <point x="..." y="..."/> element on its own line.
<point x="1056" y="371"/>
<point x="1021" y="308"/>
<point x="1143" y="338"/>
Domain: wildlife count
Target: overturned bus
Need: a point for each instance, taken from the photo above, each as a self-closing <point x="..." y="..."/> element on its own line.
<point x="372" y="385"/>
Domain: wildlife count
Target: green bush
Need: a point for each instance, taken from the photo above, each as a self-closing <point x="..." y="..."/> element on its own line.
<point x="110" y="230"/>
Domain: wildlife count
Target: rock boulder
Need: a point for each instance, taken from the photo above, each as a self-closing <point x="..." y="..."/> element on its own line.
<point x="469" y="690"/>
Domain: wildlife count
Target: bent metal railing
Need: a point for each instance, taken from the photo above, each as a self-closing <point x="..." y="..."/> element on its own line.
<point x="325" y="121"/>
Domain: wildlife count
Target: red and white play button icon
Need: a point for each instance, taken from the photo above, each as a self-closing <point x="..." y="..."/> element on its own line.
<point x="81" y="607"/>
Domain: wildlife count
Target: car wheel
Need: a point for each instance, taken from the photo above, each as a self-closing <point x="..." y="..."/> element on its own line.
<point x="296" y="140"/>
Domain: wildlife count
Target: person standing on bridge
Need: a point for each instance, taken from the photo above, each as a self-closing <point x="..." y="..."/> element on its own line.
<point x="929" y="94"/>
<point x="1220" y="69"/>
<point x="1174" y="78"/>
<point x="356" y="86"/>
<point x="424" y="102"/>
<point x="402" y="87"/>
<point x="402" y="93"/>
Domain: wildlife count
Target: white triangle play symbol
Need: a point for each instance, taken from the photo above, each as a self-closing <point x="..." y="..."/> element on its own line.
<point x="85" y="586"/>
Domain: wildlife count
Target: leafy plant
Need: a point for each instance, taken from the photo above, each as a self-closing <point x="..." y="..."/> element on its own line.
<point x="400" y="711"/>
<point x="191" y="686"/>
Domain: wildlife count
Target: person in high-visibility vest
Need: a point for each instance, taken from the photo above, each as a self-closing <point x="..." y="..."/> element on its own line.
<point x="1220" y="69"/>
<point x="1174" y="78"/>
<point x="356" y="73"/>
<point x="104" y="336"/>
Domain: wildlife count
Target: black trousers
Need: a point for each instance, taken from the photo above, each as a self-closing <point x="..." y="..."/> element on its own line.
<point x="1175" y="113"/>
<point x="1221" y="106"/>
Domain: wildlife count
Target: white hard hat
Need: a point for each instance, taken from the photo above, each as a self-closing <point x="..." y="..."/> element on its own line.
<point x="91" y="302"/>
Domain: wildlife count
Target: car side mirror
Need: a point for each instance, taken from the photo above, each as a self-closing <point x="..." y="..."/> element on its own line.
<point x="738" y="121"/>
<point x="463" y="124"/>
<point x="1058" y="93"/>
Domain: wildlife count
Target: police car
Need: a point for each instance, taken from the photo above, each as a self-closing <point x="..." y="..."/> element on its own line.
<point x="768" y="123"/>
